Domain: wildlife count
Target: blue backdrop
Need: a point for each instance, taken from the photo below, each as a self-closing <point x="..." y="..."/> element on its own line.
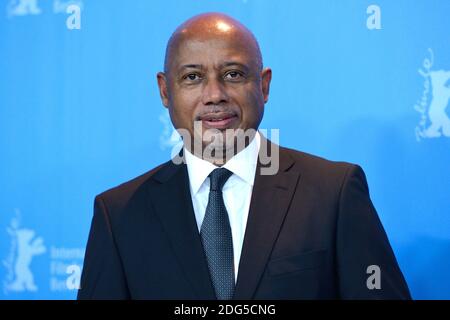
<point x="361" y="81"/>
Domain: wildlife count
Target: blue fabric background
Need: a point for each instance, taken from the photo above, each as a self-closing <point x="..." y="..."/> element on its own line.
<point x="80" y="112"/>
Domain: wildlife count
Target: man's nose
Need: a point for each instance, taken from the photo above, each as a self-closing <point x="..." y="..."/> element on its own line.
<point x="214" y="92"/>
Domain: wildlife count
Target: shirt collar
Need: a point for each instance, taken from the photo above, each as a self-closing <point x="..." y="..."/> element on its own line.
<point x="243" y="165"/>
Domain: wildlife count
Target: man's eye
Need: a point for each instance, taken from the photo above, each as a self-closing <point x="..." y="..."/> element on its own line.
<point x="233" y="75"/>
<point x="192" y="77"/>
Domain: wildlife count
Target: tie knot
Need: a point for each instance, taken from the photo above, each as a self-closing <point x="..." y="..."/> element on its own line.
<point x="218" y="177"/>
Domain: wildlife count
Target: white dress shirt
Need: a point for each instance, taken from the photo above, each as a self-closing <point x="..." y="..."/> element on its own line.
<point x="237" y="191"/>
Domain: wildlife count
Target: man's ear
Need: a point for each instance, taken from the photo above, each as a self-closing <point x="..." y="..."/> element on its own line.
<point x="162" y="84"/>
<point x="266" y="77"/>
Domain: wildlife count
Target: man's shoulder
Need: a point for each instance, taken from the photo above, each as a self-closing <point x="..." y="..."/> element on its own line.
<point x="121" y="194"/>
<point x="307" y="161"/>
<point x="325" y="178"/>
<point x="319" y="170"/>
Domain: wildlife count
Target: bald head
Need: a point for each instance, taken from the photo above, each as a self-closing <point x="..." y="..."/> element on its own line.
<point x="212" y="26"/>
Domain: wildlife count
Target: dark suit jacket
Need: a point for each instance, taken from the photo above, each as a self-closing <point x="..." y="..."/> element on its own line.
<point x="312" y="232"/>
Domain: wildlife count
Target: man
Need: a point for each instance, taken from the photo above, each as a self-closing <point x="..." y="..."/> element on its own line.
<point x="212" y="224"/>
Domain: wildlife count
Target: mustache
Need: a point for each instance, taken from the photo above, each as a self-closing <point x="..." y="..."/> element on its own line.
<point x="215" y="109"/>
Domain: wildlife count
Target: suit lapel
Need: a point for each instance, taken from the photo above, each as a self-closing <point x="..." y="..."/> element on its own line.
<point x="271" y="197"/>
<point x="173" y="205"/>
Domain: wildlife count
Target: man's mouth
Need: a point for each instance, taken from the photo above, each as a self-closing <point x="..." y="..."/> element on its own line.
<point x="220" y="120"/>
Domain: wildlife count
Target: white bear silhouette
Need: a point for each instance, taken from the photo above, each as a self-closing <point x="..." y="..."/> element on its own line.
<point x="26" y="249"/>
<point x="436" y="112"/>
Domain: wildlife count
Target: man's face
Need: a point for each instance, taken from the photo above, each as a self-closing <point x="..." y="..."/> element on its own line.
<point x="217" y="82"/>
